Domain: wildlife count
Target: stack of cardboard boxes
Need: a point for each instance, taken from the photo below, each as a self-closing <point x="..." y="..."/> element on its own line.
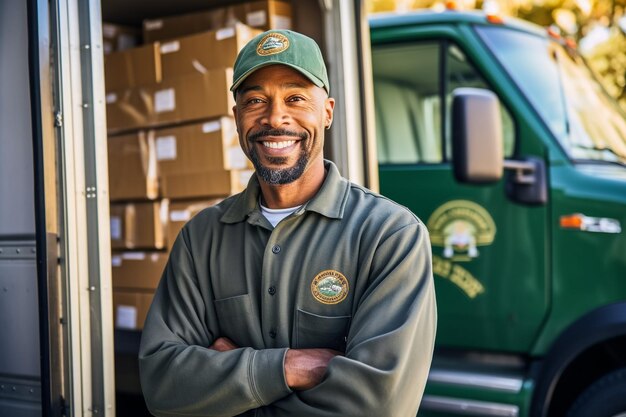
<point x="173" y="146"/>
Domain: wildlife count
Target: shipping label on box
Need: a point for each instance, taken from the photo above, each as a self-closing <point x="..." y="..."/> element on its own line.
<point x="165" y="100"/>
<point x="116" y="227"/>
<point x="126" y="317"/>
<point x="257" y="18"/>
<point x="166" y="148"/>
<point x="131" y="308"/>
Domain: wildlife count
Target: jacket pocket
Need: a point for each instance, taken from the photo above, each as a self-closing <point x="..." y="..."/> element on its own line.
<point x="237" y="321"/>
<point x="315" y="331"/>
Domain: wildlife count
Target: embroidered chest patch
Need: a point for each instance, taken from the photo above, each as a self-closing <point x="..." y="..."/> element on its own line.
<point x="330" y="287"/>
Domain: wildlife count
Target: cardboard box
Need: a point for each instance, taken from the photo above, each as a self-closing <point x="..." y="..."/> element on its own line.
<point x="133" y="170"/>
<point x="184" y="99"/>
<point x="118" y="38"/>
<point x="262" y="15"/>
<point x="204" y="51"/>
<point x="133" y="67"/>
<point x="207" y="146"/>
<point x="139" y="225"/>
<point x="138" y="270"/>
<point x="131" y="308"/>
<point x="183" y="211"/>
<point x="205" y="184"/>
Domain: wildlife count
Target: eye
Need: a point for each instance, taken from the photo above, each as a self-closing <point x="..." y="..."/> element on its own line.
<point x="295" y="99"/>
<point x="254" y="100"/>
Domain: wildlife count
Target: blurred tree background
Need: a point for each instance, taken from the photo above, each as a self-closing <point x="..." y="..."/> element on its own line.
<point x="597" y="26"/>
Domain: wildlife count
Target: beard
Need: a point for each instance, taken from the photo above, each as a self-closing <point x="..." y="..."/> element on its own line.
<point x="278" y="176"/>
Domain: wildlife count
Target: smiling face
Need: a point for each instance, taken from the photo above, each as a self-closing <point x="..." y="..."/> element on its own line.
<point x="281" y="116"/>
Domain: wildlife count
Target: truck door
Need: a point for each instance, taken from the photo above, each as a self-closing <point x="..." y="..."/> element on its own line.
<point x="488" y="251"/>
<point x="20" y="365"/>
<point x="52" y="98"/>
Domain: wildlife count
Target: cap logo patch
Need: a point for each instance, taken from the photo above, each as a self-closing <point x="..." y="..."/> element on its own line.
<point x="272" y="43"/>
<point x="330" y="287"/>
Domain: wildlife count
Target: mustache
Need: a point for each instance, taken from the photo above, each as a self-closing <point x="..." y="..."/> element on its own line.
<point x="253" y="137"/>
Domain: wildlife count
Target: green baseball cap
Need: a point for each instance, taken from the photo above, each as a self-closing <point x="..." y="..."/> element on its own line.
<point x="284" y="47"/>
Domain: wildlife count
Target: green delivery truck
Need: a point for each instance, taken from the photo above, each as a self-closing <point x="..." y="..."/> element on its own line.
<point x="523" y="190"/>
<point x="494" y="132"/>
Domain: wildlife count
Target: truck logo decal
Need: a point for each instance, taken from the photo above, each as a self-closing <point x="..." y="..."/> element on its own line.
<point x="272" y="43"/>
<point x="458" y="275"/>
<point x="460" y="226"/>
<point x="330" y="287"/>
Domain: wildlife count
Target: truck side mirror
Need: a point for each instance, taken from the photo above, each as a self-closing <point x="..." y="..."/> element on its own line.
<point x="477" y="144"/>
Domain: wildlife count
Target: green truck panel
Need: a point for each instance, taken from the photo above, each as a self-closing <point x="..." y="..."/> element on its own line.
<point x="517" y="282"/>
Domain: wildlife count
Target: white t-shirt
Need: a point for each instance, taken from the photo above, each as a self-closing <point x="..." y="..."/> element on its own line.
<point x="274" y="216"/>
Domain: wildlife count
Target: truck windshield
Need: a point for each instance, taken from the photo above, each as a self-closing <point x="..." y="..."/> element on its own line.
<point x="585" y="120"/>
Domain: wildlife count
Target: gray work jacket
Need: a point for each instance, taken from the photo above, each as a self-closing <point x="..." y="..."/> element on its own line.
<point x="350" y="270"/>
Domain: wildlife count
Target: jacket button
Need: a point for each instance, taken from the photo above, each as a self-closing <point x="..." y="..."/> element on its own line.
<point x="273" y="334"/>
<point x="276" y="249"/>
<point x="271" y="290"/>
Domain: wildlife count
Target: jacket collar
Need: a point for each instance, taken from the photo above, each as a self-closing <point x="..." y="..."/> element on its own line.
<point x="330" y="200"/>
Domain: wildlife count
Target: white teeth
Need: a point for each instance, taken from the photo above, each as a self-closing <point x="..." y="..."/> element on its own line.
<point x="279" y="145"/>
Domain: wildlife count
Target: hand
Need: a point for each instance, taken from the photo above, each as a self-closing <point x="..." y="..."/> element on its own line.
<point x="305" y="368"/>
<point x="223" y="344"/>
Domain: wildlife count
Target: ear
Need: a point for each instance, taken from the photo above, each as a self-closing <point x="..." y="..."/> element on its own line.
<point x="329" y="107"/>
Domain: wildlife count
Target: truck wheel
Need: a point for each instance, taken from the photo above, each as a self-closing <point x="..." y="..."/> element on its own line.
<point x="604" y="398"/>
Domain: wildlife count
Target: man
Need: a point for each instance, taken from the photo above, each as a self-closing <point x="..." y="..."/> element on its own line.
<point x="305" y="295"/>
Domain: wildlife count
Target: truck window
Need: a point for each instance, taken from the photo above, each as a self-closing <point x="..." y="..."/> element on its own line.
<point x="585" y="120"/>
<point x="407" y="97"/>
<point x="461" y="73"/>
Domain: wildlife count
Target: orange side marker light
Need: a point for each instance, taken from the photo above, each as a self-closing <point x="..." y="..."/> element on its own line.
<point x="572" y="221"/>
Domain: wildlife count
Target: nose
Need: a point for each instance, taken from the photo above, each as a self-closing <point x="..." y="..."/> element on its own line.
<point x="276" y="114"/>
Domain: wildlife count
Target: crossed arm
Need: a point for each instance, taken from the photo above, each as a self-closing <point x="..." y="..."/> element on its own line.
<point x="304" y="368"/>
<point x="187" y="370"/>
